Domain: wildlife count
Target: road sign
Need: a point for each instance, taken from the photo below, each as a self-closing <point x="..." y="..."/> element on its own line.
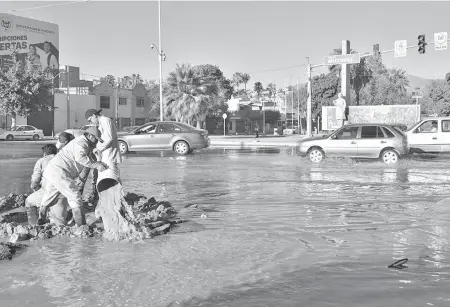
<point x="224" y="115"/>
<point x="400" y="48"/>
<point x="440" y="41"/>
<point x="342" y="59"/>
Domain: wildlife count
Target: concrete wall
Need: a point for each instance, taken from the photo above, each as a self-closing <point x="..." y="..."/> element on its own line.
<point x="78" y="106"/>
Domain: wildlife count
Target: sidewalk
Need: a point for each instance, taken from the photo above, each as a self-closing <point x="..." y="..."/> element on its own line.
<point x="252" y="141"/>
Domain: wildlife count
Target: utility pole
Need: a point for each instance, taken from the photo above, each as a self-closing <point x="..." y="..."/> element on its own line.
<point x="264" y="118"/>
<point x="292" y="109"/>
<point x="68" y="96"/>
<point x="298" y="109"/>
<point x="309" y="103"/>
<point x="117" y="104"/>
<point x="285" y="101"/>
<point x="160" y="66"/>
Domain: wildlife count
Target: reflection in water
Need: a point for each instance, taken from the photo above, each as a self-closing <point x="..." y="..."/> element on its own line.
<point x="276" y="228"/>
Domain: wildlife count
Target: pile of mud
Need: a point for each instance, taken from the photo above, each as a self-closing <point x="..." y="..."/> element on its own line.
<point x="148" y="218"/>
<point x="7" y="250"/>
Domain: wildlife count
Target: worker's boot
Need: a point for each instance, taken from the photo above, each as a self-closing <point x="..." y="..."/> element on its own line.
<point x="78" y="216"/>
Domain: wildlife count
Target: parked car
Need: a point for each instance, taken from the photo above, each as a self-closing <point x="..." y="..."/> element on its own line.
<point x="165" y="135"/>
<point x="430" y="135"/>
<point x="75" y="131"/>
<point x="372" y="141"/>
<point x="22" y="132"/>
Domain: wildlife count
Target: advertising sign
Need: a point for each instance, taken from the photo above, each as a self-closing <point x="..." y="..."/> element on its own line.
<point x="400" y="49"/>
<point x="34" y="42"/>
<point x="440" y="41"/>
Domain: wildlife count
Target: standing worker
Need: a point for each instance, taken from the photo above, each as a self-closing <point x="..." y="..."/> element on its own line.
<point x="341" y="104"/>
<point x="61" y="174"/>
<point x="108" y="151"/>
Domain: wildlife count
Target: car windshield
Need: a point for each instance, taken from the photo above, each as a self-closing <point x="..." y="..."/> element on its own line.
<point x="14" y="128"/>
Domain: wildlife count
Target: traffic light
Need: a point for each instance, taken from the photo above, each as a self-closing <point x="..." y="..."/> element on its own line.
<point x="376" y="50"/>
<point x="422" y="43"/>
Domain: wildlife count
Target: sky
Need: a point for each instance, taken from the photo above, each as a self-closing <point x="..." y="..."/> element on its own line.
<point x="270" y="40"/>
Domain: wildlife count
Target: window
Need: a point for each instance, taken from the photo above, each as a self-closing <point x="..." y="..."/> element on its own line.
<point x="139" y="121"/>
<point x="370" y="132"/>
<point x="29" y="128"/>
<point x="429" y="126"/>
<point x="446" y="126"/>
<point x="165" y="128"/>
<point x="148" y="129"/>
<point x="176" y="129"/>
<point x="20" y="129"/>
<point x="125" y="122"/>
<point x="139" y="102"/>
<point x="104" y="102"/>
<point x="347" y="133"/>
<point x="241" y="108"/>
<point x="388" y="132"/>
<point x="122" y="101"/>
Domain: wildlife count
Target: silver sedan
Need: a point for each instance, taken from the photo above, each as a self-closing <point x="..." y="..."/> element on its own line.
<point x="165" y="135"/>
<point x="372" y="141"/>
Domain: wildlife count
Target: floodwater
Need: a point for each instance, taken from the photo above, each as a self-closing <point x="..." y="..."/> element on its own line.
<point x="279" y="232"/>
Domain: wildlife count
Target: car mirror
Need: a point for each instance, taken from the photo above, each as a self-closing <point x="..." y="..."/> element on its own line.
<point x="137" y="132"/>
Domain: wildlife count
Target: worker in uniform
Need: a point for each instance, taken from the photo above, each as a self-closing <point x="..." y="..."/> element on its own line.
<point x="61" y="175"/>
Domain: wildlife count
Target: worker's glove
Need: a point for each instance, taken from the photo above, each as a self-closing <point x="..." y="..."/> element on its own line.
<point x="101" y="166"/>
<point x="79" y="182"/>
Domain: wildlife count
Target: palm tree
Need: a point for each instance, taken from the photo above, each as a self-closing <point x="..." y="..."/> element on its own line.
<point x="258" y="88"/>
<point x="272" y="88"/>
<point x="399" y="80"/>
<point x="245" y="79"/>
<point x="237" y="80"/>
<point x="188" y="97"/>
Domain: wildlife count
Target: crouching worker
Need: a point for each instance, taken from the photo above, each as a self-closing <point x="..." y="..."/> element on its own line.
<point x="61" y="175"/>
<point x="33" y="201"/>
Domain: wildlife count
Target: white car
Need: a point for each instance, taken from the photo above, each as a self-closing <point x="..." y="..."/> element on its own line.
<point x="22" y="132"/>
<point x="430" y="135"/>
<point x="75" y="131"/>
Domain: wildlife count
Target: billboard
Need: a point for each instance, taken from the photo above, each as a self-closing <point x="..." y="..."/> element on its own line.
<point x="34" y="42"/>
<point x="381" y="114"/>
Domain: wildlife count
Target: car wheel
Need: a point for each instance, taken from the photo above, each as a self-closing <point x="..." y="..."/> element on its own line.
<point x="389" y="156"/>
<point x="35" y="137"/>
<point x="10" y="137"/>
<point x="181" y="147"/>
<point x="123" y="147"/>
<point x="316" y="155"/>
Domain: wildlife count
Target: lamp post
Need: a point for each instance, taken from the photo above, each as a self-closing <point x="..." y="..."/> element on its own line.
<point x="162" y="57"/>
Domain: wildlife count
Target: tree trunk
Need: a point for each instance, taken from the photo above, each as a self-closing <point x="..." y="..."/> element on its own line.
<point x="13" y="120"/>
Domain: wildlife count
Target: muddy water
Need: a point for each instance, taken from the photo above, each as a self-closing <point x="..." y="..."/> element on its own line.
<point x="279" y="232"/>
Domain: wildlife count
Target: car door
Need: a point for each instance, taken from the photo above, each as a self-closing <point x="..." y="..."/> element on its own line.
<point x="19" y="133"/>
<point x="371" y="142"/>
<point x="424" y="138"/>
<point x="144" y="138"/>
<point x="444" y="135"/>
<point x="166" y="133"/>
<point x="29" y="131"/>
<point x="343" y="143"/>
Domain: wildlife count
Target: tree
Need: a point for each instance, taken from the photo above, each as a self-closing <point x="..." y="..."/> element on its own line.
<point x="272" y="116"/>
<point x="188" y="97"/>
<point x="272" y="88"/>
<point x="24" y="91"/>
<point x="237" y="80"/>
<point x="245" y="79"/>
<point x="258" y="88"/>
<point x="110" y="79"/>
<point x="324" y="88"/>
<point x="212" y="74"/>
<point x="129" y="82"/>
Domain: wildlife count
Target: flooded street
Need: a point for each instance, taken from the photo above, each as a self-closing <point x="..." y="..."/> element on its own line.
<point x="279" y="232"/>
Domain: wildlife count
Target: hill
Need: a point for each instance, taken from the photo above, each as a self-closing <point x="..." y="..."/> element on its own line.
<point x="417" y="82"/>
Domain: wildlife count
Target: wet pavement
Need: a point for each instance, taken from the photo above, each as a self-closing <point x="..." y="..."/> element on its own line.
<point x="279" y="232"/>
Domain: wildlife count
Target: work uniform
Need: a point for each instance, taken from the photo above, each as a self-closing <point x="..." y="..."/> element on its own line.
<point x="63" y="169"/>
<point x="110" y="153"/>
<point x="34" y="199"/>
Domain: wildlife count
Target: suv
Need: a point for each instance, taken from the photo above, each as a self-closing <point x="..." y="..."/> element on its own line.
<point x="430" y="135"/>
<point x="372" y="141"/>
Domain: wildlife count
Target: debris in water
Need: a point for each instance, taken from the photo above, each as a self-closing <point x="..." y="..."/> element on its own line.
<point x="7" y="250"/>
<point x="203" y="216"/>
<point x="133" y="217"/>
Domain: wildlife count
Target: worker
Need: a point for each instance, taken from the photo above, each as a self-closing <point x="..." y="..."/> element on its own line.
<point x="61" y="174"/>
<point x="108" y="151"/>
